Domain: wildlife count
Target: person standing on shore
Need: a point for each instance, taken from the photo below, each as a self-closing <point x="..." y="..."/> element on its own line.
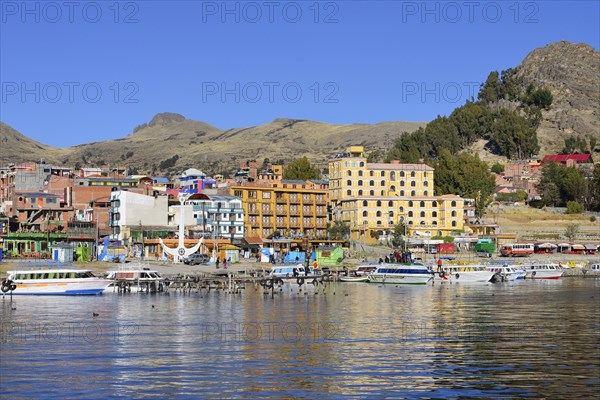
<point x="225" y="263"/>
<point x="217" y="263"/>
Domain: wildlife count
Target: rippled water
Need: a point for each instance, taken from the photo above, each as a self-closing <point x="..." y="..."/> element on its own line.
<point x="537" y="339"/>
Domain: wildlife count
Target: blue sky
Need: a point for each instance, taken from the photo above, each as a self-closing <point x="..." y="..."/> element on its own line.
<point x="92" y="71"/>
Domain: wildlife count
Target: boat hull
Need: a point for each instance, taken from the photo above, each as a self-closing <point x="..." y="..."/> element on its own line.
<point x="409" y="279"/>
<point x="354" y="279"/>
<point x="466" y="277"/>
<point x="61" y="287"/>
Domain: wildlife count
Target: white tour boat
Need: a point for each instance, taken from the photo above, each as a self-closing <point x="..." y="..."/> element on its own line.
<point x="508" y="273"/>
<point x="54" y="281"/>
<point x="463" y="274"/>
<point x="408" y="274"/>
<point x="543" y="271"/>
<point x="136" y="278"/>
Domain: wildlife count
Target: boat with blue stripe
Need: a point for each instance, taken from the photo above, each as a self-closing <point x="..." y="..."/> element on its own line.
<point x="406" y="274"/>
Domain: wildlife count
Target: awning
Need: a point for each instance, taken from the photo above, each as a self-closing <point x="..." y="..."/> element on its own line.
<point x="578" y="247"/>
<point x="546" y="246"/>
<point x="591" y="247"/>
<point x="564" y="245"/>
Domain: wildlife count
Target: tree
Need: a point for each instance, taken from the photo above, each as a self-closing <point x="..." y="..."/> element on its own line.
<point x="571" y="232"/>
<point x="497" y="168"/>
<point x="375" y="156"/>
<point x="513" y="136"/>
<point x="339" y="230"/>
<point x="466" y="176"/>
<point x="301" y="169"/>
<point x="398" y="236"/>
<point x="593" y="142"/>
<point x="594" y="192"/>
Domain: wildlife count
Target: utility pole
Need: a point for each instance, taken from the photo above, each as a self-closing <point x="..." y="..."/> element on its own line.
<point x="142" y="240"/>
<point x="97" y="238"/>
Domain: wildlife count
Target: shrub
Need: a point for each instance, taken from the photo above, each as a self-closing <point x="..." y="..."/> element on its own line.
<point x="574" y="207"/>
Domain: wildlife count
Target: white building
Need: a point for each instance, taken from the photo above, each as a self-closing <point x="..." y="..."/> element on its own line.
<point x="216" y="216"/>
<point x="128" y="209"/>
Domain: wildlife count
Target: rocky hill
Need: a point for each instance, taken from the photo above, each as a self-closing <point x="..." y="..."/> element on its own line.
<point x="572" y="73"/>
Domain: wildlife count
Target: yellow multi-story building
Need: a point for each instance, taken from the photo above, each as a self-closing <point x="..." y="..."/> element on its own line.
<point x="291" y="208"/>
<point x="374" y="197"/>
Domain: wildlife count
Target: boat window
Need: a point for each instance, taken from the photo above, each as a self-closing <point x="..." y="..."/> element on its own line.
<point x="46" y="276"/>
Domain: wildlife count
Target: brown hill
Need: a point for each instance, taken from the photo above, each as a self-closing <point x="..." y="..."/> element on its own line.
<point x="204" y="146"/>
<point x="572" y="73"/>
<point x="16" y="147"/>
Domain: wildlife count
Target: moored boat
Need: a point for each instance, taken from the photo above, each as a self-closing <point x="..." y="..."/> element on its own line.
<point x="463" y="274"/>
<point x="136" y="278"/>
<point x="543" y="271"/>
<point x="54" y="281"/>
<point x="408" y="274"/>
<point x="507" y="273"/>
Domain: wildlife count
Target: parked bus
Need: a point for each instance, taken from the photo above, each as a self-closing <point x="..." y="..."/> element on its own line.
<point x="517" y="249"/>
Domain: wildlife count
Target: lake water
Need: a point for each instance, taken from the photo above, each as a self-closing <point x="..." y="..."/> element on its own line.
<point x="531" y="339"/>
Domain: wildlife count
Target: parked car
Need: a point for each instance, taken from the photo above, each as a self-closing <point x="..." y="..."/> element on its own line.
<point x="196" y="259"/>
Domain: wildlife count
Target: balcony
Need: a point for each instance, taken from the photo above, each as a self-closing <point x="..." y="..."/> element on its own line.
<point x="267" y="211"/>
<point x="225" y="210"/>
<point x="294" y="212"/>
<point x="253" y="211"/>
<point x="280" y="200"/>
<point x="294" y="200"/>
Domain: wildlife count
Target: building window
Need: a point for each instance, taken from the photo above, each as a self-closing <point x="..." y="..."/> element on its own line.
<point x="410" y="203"/>
<point x="378" y="214"/>
<point x="426" y="183"/>
<point x="390" y="203"/>
<point x="422" y="214"/>
<point x="360" y="173"/>
<point x="372" y="193"/>
<point x="434" y="214"/>
<point x="410" y="214"/>
<point x="453" y="223"/>
<point x="382" y="174"/>
<point x="378" y="222"/>
<point x="422" y="204"/>
<point x="426" y="193"/>
<point x="382" y="183"/>
<point x="349" y="182"/>
<point x="391" y="214"/>
<point x="401" y="209"/>
<point x="349" y="192"/>
<point x="393" y="188"/>
<point x="413" y="183"/>
<point x="360" y="192"/>
<point x="362" y="164"/>
<point x="365" y="213"/>
<point x="393" y="175"/>
<point x="453" y="204"/>
<point x="413" y="193"/>
<point x="453" y="213"/>
<point x="349" y="173"/>
<point x="402" y="193"/>
<point x="371" y="183"/>
<point x="370" y="173"/>
<point x="401" y="174"/>
<point x="266" y="195"/>
<point x="412" y="174"/>
<point x="383" y="193"/>
<point x="365" y="203"/>
<point x="360" y="182"/>
<point x="378" y="203"/>
<point x="402" y="183"/>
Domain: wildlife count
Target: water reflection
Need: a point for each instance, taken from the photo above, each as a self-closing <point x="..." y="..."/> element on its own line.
<point x="535" y="339"/>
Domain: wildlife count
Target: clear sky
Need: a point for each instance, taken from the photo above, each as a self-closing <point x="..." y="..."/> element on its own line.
<point x="79" y="71"/>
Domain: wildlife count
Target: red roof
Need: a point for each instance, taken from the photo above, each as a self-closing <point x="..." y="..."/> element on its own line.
<point x="562" y="158"/>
